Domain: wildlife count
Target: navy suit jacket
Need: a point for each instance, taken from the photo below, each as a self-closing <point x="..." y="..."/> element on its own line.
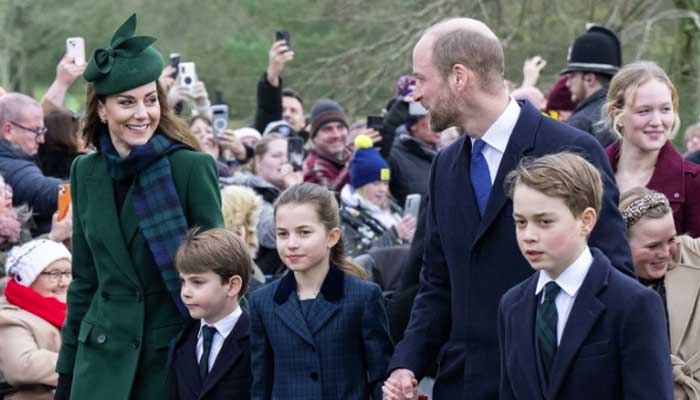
<point x="340" y="351"/>
<point x="614" y="345"/>
<point x="229" y="378"/>
<point x="470" y="261"/>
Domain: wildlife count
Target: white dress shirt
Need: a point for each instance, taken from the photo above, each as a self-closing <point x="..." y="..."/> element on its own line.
<point x="569" y="281"/>
<point x="223" y="328"/>
<point x="497" y="136"/>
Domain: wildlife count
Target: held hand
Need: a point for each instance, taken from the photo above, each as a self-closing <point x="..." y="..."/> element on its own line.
<point x="291" y="177"/>
<point x="278" y="56"/>
<point x="61" y="230"/>
<point x="228" y="140"/>
<point x="166" y="80"/>
<point x="401" y="385"/>
<point x="199" y="94"/>
<point x="531" y="70"/>
<point x="67" y="72"/>
<point x="373" y="134"/>
<point x="406" y="228"/>
<point x="177" y="94"/>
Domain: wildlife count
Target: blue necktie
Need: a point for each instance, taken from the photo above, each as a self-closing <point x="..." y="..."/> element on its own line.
<point x="207" y="338"/>
<point x="480" y="176"/>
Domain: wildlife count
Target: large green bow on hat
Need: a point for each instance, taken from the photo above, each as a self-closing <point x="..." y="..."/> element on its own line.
<point x="129" y="62"/>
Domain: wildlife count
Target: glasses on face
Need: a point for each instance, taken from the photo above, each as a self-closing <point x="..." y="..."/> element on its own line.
<point x="36" y="131"/>
<point x="55" y="276"/>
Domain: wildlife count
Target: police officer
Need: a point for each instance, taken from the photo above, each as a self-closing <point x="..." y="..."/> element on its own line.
<point x="593" y="60"/>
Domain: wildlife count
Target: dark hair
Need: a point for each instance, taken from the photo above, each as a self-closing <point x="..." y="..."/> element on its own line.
<point x="217" y="250"/>
<point x="62" y="132"/>
<point x="326" y="206"/>
<point x="172" y="126"/>
<point x="292" y="93"/>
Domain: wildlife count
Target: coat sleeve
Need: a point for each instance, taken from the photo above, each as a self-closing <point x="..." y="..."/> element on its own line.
<point x="377" y="341"/>
<point x="430" y="321"/>
<point x="645" y="350"/>
<point x="692" y="205"/>
<point x="22" y="362"/>
<point x="40" y="192"/>
<point x="610" y="233"/>
<point x="505" y="391"/>
<point x="261" y="358"/>
<point x="204" y="204"/>
<point x="84" y="283"/>
<point x="269" y="103"/>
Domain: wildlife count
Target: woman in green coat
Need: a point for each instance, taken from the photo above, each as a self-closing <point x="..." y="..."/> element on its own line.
<point x="133" y="202"/>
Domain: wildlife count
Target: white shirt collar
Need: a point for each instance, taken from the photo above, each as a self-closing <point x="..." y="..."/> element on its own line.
<point x="571" y="279"/>
<point x="225" y="325"/>
<point x="499" y="132"/>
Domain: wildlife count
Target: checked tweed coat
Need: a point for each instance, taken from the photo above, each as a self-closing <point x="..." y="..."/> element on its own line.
<point x="341" y="352"/>
<point x="120" y="316"/>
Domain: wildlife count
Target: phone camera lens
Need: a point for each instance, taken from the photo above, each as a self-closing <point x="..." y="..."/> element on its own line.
<point x="188" y="80"/>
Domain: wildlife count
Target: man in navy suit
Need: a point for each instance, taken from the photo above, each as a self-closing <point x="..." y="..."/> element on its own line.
<point x="471" y="257"/>
<point x="577" y="328"/>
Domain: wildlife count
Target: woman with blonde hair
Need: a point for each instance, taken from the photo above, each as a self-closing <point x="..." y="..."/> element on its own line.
<point x="642" y="109"/>
<point x="658" y="264"/>
<point x="240" y="207"/>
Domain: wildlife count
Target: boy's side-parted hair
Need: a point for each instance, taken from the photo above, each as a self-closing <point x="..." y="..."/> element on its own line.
<point x="565" y="175"/>
<point x="326" y="205"/>
<point x="217" y="250"/>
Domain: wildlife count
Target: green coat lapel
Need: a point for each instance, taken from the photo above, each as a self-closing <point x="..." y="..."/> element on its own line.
<point x="103" y="209"/>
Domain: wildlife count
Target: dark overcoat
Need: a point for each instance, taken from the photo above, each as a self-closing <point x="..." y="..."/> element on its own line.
<point x="471" y="261"/>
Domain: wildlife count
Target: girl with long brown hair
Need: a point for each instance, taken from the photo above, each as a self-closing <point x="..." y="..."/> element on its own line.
<point x="322" y="313"/>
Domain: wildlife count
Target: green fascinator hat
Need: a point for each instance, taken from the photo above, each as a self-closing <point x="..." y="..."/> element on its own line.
<point x="128" y="63"/>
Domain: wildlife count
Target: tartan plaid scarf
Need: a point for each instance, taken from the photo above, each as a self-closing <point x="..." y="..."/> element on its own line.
<point x="155" y="202"/>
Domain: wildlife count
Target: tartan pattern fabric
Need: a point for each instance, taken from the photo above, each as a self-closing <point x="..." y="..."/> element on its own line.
<point x="546" y="327"/>
<point x="480" y="175"/>
<point x="156" y="203"/>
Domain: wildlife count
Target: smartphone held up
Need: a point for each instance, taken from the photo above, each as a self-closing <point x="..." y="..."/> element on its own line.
<point x="75" y="48"/>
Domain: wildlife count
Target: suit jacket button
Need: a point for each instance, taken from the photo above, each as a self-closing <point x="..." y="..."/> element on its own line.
<point x="135" y="344"/>
<point x="139" y="296"/>
<point x="314" y="376"/>
<point x="101" y="339"/>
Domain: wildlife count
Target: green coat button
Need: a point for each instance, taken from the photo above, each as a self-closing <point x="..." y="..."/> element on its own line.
<point x="101" y="339"/>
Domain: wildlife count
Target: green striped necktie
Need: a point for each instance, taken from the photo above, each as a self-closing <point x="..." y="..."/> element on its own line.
<point x="546" y="327"/>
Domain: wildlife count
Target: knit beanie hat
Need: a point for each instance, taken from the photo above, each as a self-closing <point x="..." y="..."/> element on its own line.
<point x="560" y="97"/>
<point x="325" y="111"/>
<point x="367" y="165"/>
<point x="128" y="63"/>
<point x="24" y="263"/>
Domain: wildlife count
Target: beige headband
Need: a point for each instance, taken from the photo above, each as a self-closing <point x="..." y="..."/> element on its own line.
<point x="639" y="207"/>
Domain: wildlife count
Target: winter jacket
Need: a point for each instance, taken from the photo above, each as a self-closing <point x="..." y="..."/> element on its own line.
<point x="362" y="225"/>
<point x="30" y="186"/>
<point x="332" y="174"/>
<point x="588" y="116"/>
<point x="56" y="163"/>
<point x="29" y="348"/>
<point x="410" y="167"/>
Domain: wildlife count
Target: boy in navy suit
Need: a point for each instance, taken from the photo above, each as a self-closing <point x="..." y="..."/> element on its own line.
<point x="577" y="328"/>
<point x="211" y="358"/>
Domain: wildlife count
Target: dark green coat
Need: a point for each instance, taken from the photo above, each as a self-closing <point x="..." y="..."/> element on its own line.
<point x="120" y="315"/>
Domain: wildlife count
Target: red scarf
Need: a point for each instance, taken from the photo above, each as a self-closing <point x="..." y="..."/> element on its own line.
<point x="48" y="308"/>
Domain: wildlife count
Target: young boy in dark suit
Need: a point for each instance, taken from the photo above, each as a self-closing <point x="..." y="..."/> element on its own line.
<point x="211" y="358"/>
<point x="577" y="328"/>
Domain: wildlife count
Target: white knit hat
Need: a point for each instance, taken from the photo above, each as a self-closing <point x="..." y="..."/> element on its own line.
<point x="24" y="263"/>
<point x="247" y="132"/>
